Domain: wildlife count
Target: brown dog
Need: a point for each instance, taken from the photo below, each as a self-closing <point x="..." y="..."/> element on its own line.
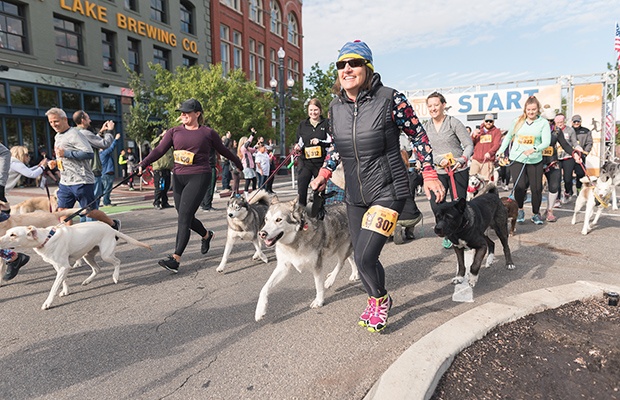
<point x="513" y="211"/>
<point x="36" y="203"/>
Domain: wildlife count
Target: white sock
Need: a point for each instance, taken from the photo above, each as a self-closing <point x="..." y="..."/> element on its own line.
<point x="551" y="201"/>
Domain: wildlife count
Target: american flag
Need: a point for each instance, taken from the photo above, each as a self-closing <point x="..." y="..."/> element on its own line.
<point x="617" y="41"/>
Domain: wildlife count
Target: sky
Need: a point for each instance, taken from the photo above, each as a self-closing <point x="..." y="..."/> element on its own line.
<point x="444" y="43"/>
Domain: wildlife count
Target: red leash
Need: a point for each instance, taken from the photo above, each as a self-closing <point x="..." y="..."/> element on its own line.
<point x="271" y="175"/>
<point x="450" y="171"/>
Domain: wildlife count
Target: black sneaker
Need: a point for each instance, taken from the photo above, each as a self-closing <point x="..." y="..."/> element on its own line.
<point x="14" y="266"/>
<point x="117" y="224"/>
<point x="170" y="264"/>
<point x="206" y="243"/>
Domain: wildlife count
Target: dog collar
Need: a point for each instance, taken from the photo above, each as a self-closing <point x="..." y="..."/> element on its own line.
<point x="51" y="233"/>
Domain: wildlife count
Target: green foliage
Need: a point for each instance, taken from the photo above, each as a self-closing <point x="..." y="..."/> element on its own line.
<point x="230" y="103"/>
<point x="320" y="84"/>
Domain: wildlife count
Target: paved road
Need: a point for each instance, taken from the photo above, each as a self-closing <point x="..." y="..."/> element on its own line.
<point x="193" y="335"/>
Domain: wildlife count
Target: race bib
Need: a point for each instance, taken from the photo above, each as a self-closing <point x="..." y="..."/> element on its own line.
<point x="450" y="158"/>
<point x="183" y="157"/>
<point x="528" y="140"/>
<point x="486" y="139"/>
<point x="548" y="152"/>
<point x="59" y="165"/>
<point x="313" y="152"/>
<point x="380" y="219"/>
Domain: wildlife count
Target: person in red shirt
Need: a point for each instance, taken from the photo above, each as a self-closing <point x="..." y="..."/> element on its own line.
<point x="486" y="143"/>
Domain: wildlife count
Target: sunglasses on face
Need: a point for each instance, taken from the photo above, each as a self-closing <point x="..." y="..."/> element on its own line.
<point x="489" y="120"/>
<point x="354" y="63"/>
<point x="576" y="122"/>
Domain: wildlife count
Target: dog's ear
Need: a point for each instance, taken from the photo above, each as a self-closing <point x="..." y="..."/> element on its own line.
<point x="461" y="205"/>
<point x="31" y="232"/>
<point x="295" y="200"/>
<point x="274" y="200"/>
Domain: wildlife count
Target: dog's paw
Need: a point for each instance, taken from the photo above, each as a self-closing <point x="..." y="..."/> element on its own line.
<point x="510" y="266"/>
<point x="317" y="303"/>
<point x="490" y="260"/>
<point x="64" y="292"/>
<point x="220" y="268"/>
<point x="472" y="280"/>
<point x="457" y="280"/>
<point x="261" y="310"/>
<point x="329" y="280"/>
<point x="46" y="305"/>
<point x="355" y="276"/>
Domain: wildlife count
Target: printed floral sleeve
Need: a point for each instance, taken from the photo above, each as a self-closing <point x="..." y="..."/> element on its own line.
<point x="408" y="122"/>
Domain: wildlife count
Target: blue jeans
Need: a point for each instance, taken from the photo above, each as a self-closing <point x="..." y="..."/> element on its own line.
<point x="98" y="191"/>
<point x="107" y="181"/>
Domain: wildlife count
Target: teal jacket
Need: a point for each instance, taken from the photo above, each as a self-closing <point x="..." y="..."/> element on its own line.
<point x="536" y="135"/>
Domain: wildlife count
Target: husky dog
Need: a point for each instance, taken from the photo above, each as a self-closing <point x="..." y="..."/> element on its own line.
<point x="302" y="243"/>
<point x="589" y="197"/>
<point x="244" y="221"/>
<point x="611" y="170"/>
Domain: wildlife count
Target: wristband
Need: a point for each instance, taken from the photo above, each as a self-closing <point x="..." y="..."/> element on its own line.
<point x="325" y="173"/>
<point x="430" y="174"/>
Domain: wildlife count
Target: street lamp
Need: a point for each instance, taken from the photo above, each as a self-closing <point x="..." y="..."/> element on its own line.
<point x="280" y="94"/>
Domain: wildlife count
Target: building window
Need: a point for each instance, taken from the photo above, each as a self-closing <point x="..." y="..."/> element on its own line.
<point x="237" y="51"/>
<point x="293" y="30"/>
<point x="296" y="71"/>
<point x="158" y="11"/>
<point x="21" y="95"/>
<point x="252" y="60"/>
<point x="69" y="46"/>
<point x="133" y="55"/>
<point x="110" y="105"/>
<point x="187" y="17"/>
<point x="92" y="103"/>
<point x="189" y="61"/>
<point x="108" y="50"/>
<point x="225" y="48"/>
<point x="161" y="57"/>
<point x="131" y="5"/>
<point x="256" y="11"/>
<point x="273" y="64"/>
<point x="276" y="18"/>
<point x="260" y="70"/>
<point x="71" y="101"/>
<point x="2" y="95"/>
<point x="234" y="4"/>
<point x="47" y="98"/>
<point x="13" y="27"/>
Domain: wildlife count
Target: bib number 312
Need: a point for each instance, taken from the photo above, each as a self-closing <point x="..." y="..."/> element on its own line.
<point x="380" y="219"/>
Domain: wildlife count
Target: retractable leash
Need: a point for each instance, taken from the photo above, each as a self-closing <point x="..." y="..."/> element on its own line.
<point x="75" y="214"/>
<point x="271" y="175"/>
<point x="585" y="170"/>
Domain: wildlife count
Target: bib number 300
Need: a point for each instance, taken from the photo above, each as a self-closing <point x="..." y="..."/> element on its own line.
<point x="381" y="220"/>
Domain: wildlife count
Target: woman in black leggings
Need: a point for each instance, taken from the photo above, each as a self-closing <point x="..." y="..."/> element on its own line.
<point x="192" y="143"/>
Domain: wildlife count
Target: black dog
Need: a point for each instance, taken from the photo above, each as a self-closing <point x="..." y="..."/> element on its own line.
<point x="465" y="224"/>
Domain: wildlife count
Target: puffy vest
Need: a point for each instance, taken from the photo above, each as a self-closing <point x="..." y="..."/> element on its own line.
<point x="367" y="140"/>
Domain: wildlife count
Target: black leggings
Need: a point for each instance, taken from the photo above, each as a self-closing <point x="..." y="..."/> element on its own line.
<point x="554" y="179"/>
<point x="568" y="165"/>
<point x="189" y="190"/>
<point x="367" y="246"/>
<point x="306" y="173"/>
<point x="532" y="177"/>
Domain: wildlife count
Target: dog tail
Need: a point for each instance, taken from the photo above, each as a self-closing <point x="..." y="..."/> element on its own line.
<point x="261" y="197"/>
<point x="488" y="188"/>
<point x="131" y="240"/>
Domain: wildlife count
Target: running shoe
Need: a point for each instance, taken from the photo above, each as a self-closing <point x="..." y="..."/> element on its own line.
<point x="206" y="243"/>
<point x="550" y="217"/>
<point x="557" y="204"/>
<point x="521" y="216"/>
<point x="14" y="266"/>
<point x="170" y="264"/>
<point x="446" y="243"/>
<point x="380" y="307"/>
<point x="536" y="219"/>
<point x="565" y="198"/>
<point x="366" y="314"/>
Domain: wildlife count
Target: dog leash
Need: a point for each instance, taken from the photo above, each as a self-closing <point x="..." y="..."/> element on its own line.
<point x="49" y="197"/>
<point x="450" y="172"/>
<point x="75" y="214"/>
<point x="271" y="175"/>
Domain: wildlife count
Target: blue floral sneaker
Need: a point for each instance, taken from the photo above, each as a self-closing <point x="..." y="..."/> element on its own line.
<point x="536" y="219"/>
<point x="521" y="216"/>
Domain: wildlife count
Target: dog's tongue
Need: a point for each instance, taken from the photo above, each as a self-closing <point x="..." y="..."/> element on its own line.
<point x="270" y="242"/>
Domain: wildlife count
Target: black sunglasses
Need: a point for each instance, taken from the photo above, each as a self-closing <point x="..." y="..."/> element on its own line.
<point x="488" y="120"/>
<point x="353" y="63"/>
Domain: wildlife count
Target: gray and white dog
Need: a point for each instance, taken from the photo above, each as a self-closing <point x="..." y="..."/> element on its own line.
<point x="611" y="170"/>
<point x="303" y="243"/>
<point x="245" y="218"/>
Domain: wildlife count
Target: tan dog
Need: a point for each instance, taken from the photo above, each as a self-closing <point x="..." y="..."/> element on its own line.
<point x="34" y="204"/>
<point x="40" y="219"/>
<point x="63" y="245"/>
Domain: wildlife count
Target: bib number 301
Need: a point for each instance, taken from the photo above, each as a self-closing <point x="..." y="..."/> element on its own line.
<point x="380" y="219"/>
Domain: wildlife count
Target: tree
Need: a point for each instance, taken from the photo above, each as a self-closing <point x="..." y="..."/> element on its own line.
<point x="321" y="83"/>
<point x="230" y="103"/>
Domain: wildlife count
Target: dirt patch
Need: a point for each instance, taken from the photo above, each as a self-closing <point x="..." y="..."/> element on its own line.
<point x="571" y="352"/>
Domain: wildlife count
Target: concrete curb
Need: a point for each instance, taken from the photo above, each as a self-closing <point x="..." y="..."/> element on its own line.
<point x="416" y="373"/>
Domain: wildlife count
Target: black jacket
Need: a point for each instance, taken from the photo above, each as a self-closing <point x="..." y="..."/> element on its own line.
<point x="306" y="132"/>
<point x="367" y="141"/>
